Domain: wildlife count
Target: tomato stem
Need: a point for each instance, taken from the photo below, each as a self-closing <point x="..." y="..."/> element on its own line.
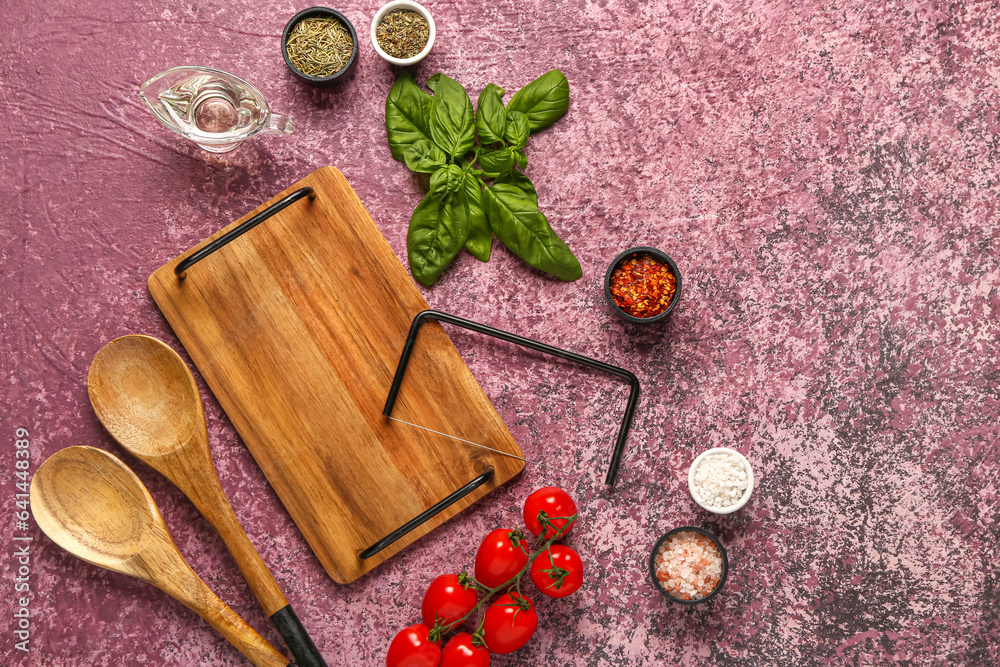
<point x="515" y="581"/>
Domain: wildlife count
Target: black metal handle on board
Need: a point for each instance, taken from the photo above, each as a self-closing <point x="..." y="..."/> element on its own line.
<point x="427" y="315"/>
<point x="240" y="230"/>
<point x="426" y="514"/>
<point x="296" y="638"/>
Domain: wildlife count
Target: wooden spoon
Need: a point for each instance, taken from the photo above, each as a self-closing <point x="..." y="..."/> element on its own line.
<point x="147" y="399"/>
<point x="90" y="503"/>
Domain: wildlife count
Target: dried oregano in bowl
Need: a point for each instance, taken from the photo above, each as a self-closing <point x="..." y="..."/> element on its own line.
<point x="403" y="32"/>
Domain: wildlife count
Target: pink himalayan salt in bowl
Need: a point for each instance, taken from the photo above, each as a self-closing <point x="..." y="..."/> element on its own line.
<point x="689" y="565"/>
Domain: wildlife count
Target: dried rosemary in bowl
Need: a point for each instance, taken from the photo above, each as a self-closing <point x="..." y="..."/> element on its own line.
<point x="402" y="33"/>
<point x="319" y="46"/>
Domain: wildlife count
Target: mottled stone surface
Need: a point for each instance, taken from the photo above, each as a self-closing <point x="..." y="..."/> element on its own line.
<point x="825" y="176"/>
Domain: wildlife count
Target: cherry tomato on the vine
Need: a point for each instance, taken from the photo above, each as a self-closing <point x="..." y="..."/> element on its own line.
<point x="557" y="571"/>
<point x="501" y="556"/>
<point x="554" y="502"/>
<point x="509" y="623"/>
<point x="448" y="600"/>
<point x="461" y="652"/>
<point x="412" y="648"/>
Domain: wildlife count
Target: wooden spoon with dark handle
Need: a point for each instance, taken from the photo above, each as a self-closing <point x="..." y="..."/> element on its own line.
<point x="147" y="399"/>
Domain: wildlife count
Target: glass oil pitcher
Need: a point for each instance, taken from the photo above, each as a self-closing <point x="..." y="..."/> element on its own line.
<point x="212" y="108"/>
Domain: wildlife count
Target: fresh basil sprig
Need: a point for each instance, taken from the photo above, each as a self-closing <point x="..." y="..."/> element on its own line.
<point x="517" y="222"/>
<point x="435" y="236"/>
<point x="469" y="205"/>
<point x="441" y="135"/>
<point x="519" y="180"/>
<point x="517" y="130"/>
<point x="543" y="101"/>
<point x="424" y="156"/>
<point x="491" y="119"/>
<point x="452" y="122"/>
<point x="407" y="115"/>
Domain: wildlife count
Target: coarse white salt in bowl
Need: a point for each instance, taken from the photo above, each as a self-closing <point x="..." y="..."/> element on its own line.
<point x="721" y="480"/>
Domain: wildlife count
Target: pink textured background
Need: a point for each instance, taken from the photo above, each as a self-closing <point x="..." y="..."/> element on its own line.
<point x="825" y="176"/>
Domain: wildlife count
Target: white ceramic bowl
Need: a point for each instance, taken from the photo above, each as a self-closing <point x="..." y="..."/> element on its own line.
<point x="746" y="494"/>
<point x="404" y="4"/>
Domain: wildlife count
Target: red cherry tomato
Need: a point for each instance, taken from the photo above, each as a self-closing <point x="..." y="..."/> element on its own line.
<point x="411" y="648"/>
<point x="501" y="556"/>
<point x="509" y="623"/>
<point x="447" y="600"/>
<point x="461" y="652"/>
<point x="554" y="502"/>
<point x="557" y="571"/>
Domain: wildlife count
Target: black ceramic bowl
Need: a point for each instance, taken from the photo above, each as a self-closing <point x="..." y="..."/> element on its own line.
<point x="629" y="254"/>
<point x="722" y="552"/>
<point x="336" y="77"/>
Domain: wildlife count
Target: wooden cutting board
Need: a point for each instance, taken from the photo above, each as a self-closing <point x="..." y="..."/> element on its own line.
<point x="297" y="327"/>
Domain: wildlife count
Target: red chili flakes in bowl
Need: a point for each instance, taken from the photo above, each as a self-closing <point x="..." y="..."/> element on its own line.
<point x="642" y="286"/>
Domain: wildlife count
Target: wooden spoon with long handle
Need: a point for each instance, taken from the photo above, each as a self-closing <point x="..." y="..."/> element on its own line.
<point x="91" y="504"/>
<point x="147" y="399"/>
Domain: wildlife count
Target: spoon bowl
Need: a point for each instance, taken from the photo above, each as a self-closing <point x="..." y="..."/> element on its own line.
<point x="93" y="508"/>
<point x="90" y="504"/>
<point x="144" y="395"/>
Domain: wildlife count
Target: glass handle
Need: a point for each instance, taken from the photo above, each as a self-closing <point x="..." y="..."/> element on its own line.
<point x="278" y="123"/>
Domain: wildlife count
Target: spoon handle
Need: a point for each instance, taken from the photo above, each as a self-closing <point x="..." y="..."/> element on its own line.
<point x="231" y="626"/>
<point x="220" y="514"/>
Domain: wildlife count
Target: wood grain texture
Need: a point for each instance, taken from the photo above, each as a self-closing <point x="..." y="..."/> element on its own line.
<point x="297" y="327"/>
<point x="147" y="399"/>
<point x="89" y="503"/>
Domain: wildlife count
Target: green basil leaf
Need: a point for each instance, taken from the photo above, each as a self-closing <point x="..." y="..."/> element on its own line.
<point x="497" y="162"/>
<point x="469" y="204"/>
<point x="452" y="122"/>
<point x="407" y="115"/>
<point x="435" y="236"/>
<point x="521" y="159"/>
<point x="446" y="181"/>
<point x="424" y="156"/>
<point x="521" y="182"/>
<point x="491" y="117"/>
<point x="517" y="130"/>
<point x="517" y="222"/>
<point x="543" y="101"/>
